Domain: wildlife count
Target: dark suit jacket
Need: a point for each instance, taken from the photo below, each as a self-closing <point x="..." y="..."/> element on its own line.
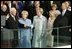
<point x="60" y="22"/>
<point x="11" y="23"/>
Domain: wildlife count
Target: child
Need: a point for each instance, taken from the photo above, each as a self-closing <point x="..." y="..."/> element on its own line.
<point x="25" y="31"/>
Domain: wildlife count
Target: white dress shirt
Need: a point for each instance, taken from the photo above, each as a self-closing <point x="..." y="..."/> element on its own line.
<point x="63" y="12"/>
<point x="69" y="8"/>
<point x="13" y="17"/>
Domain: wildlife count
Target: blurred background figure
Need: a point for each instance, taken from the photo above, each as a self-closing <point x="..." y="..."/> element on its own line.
<point x="68" y="5"/>
<point x="4" y="9"/>
<point x="19" y="7"/>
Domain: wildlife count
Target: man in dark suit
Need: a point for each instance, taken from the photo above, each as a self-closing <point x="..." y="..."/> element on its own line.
<point x="11" y="20"/>
<point x="67" y="14"/>
<point x="61" y="21"/>
<point x="12" y="24"/>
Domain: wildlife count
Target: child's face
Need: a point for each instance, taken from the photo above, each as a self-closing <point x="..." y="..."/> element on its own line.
<point x="25" y="15"/>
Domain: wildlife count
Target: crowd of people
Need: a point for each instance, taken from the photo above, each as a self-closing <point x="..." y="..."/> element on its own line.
<point x="31" y="22"/>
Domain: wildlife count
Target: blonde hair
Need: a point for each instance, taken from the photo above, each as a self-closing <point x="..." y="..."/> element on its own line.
<point x="24" y="12"/>
<point x="41" y="10"/>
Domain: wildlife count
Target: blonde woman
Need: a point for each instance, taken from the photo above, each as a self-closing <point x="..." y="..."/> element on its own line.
<point x="52" y="16"/>
<point x="39" y="24"/>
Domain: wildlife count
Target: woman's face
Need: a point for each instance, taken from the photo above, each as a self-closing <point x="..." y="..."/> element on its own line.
<point x="25" y="15"/>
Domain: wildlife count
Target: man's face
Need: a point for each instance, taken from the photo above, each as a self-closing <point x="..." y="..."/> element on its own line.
<point x="63" y="6"/>
<point x="13" y="11"/>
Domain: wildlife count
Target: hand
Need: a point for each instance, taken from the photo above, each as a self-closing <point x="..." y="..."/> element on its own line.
<point x="70" y="29"/>
<point x="25" y="25"/>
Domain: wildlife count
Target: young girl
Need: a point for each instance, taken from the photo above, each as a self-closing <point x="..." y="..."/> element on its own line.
<point x="25" y="31"/>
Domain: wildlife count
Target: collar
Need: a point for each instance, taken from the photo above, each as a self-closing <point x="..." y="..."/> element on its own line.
<point x="40" y="16"/>
<point x="24" y="19"/>
<point x="64" y="10"/>
<point x="12" y="15"/>
<point x="69" y="8"/>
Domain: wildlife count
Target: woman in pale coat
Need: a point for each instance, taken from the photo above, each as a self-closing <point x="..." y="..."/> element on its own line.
<point x="39" y="24"/>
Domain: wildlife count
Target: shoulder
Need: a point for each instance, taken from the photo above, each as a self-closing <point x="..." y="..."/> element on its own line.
<point x="20" y="19"/>
<point x="58" y="11"/>
<point x="28" y="20"/>
<point x="44" y="18"/>
<point x="35" y="16"/>
<point x="50" y="11"/>
<point x="68" y="11"/>
<point x="8" y="16"/>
